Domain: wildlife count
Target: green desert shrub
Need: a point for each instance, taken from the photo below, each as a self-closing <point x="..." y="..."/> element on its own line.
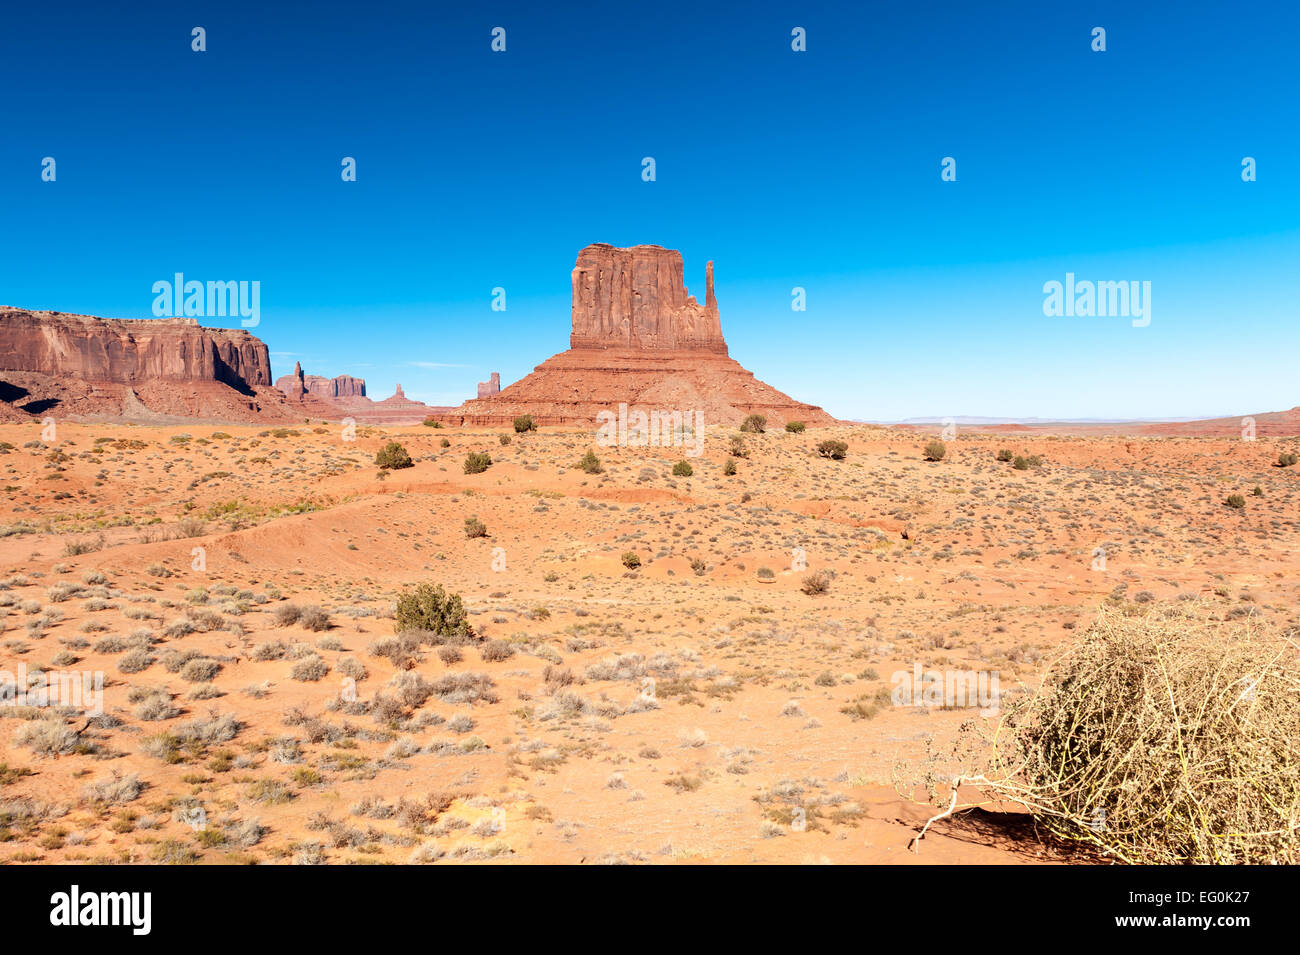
<point x="524" y="423"/>
<point x="1004" y="455"/>
<point x="476" y="462"/>
<point x="1235" y="501"/>
<point x="430" y="608"/>
<point x="475" y="528"/>
<point x="590" y="463"/>
<point x="1286" y="459"/>
<point x="833" y="449"/>
<point x="392" y="457"/>
<point x="794" y="427"/>
<point x="683" y="469"/>
<point x="935" y="450"/>
<point x="754" y="424"/>
<point x="630" y="560"/>
<point x="729" y="467"/>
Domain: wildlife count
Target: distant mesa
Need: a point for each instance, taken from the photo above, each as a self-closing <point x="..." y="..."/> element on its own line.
<point x="341" y="386"/>
<point x="346" y="397"/>
<point x="137" y="369"/>
<point x="638" y="337"/>
<point x="396" y="409"/>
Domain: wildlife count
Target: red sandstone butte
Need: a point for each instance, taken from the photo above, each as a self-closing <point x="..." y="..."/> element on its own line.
<point x="635" y="299"/>
<point x="638" y="338"/>
<point x="137" y="369"/>
<point x="345" y="397"/>
<point x="340" y="386"/>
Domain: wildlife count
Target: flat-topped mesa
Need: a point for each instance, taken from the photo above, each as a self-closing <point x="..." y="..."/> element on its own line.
<point x="130" y="351"/>
<point x="636" y="299"/>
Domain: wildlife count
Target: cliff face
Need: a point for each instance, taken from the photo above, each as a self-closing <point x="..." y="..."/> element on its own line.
<point x="130" y="351"/>
<point x="340" y="386"/>
<point x="636" y="298"/>
<point x="153" y="371"/>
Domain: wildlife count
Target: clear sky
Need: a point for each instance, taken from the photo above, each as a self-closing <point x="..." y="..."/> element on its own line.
<point x="818" y="169"/>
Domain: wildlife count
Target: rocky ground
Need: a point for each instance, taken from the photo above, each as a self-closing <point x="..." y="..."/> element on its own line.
<point x="654" y="681"/>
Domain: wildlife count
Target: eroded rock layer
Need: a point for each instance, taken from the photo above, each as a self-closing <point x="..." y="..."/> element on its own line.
<point x="574" y="386"/>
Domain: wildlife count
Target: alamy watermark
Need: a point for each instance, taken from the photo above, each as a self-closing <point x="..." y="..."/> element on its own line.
<point x="657" y="429"/>
<point x="82" y="689"/>
<point x="1123" y="299"/>
<point x="948" y="689"/>
<point x="193" y="299"/>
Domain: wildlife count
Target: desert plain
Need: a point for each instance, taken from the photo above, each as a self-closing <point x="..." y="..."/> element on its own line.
<point x="664" y="668"/>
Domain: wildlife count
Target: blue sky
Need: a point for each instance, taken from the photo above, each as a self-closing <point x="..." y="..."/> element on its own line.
<point x="818" y="169"/>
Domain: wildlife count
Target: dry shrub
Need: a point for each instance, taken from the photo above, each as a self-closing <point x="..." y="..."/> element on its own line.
<point x="411" y="688"/>
<point x="286" y="615"/>
<point x="494" y="651"/>
<point x="114" y="790"/>
<point x="1162" y="737"/>
<point x="200" y="670"/>
<point x="816" y="583"/>
<point x="314" y="618"/>
<point x="461" y="687"/>
<point x="401" y="651"/>
<point x="88" y="545"/>
<point x="309" y="670"/>
<point x="46" y="737"/>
